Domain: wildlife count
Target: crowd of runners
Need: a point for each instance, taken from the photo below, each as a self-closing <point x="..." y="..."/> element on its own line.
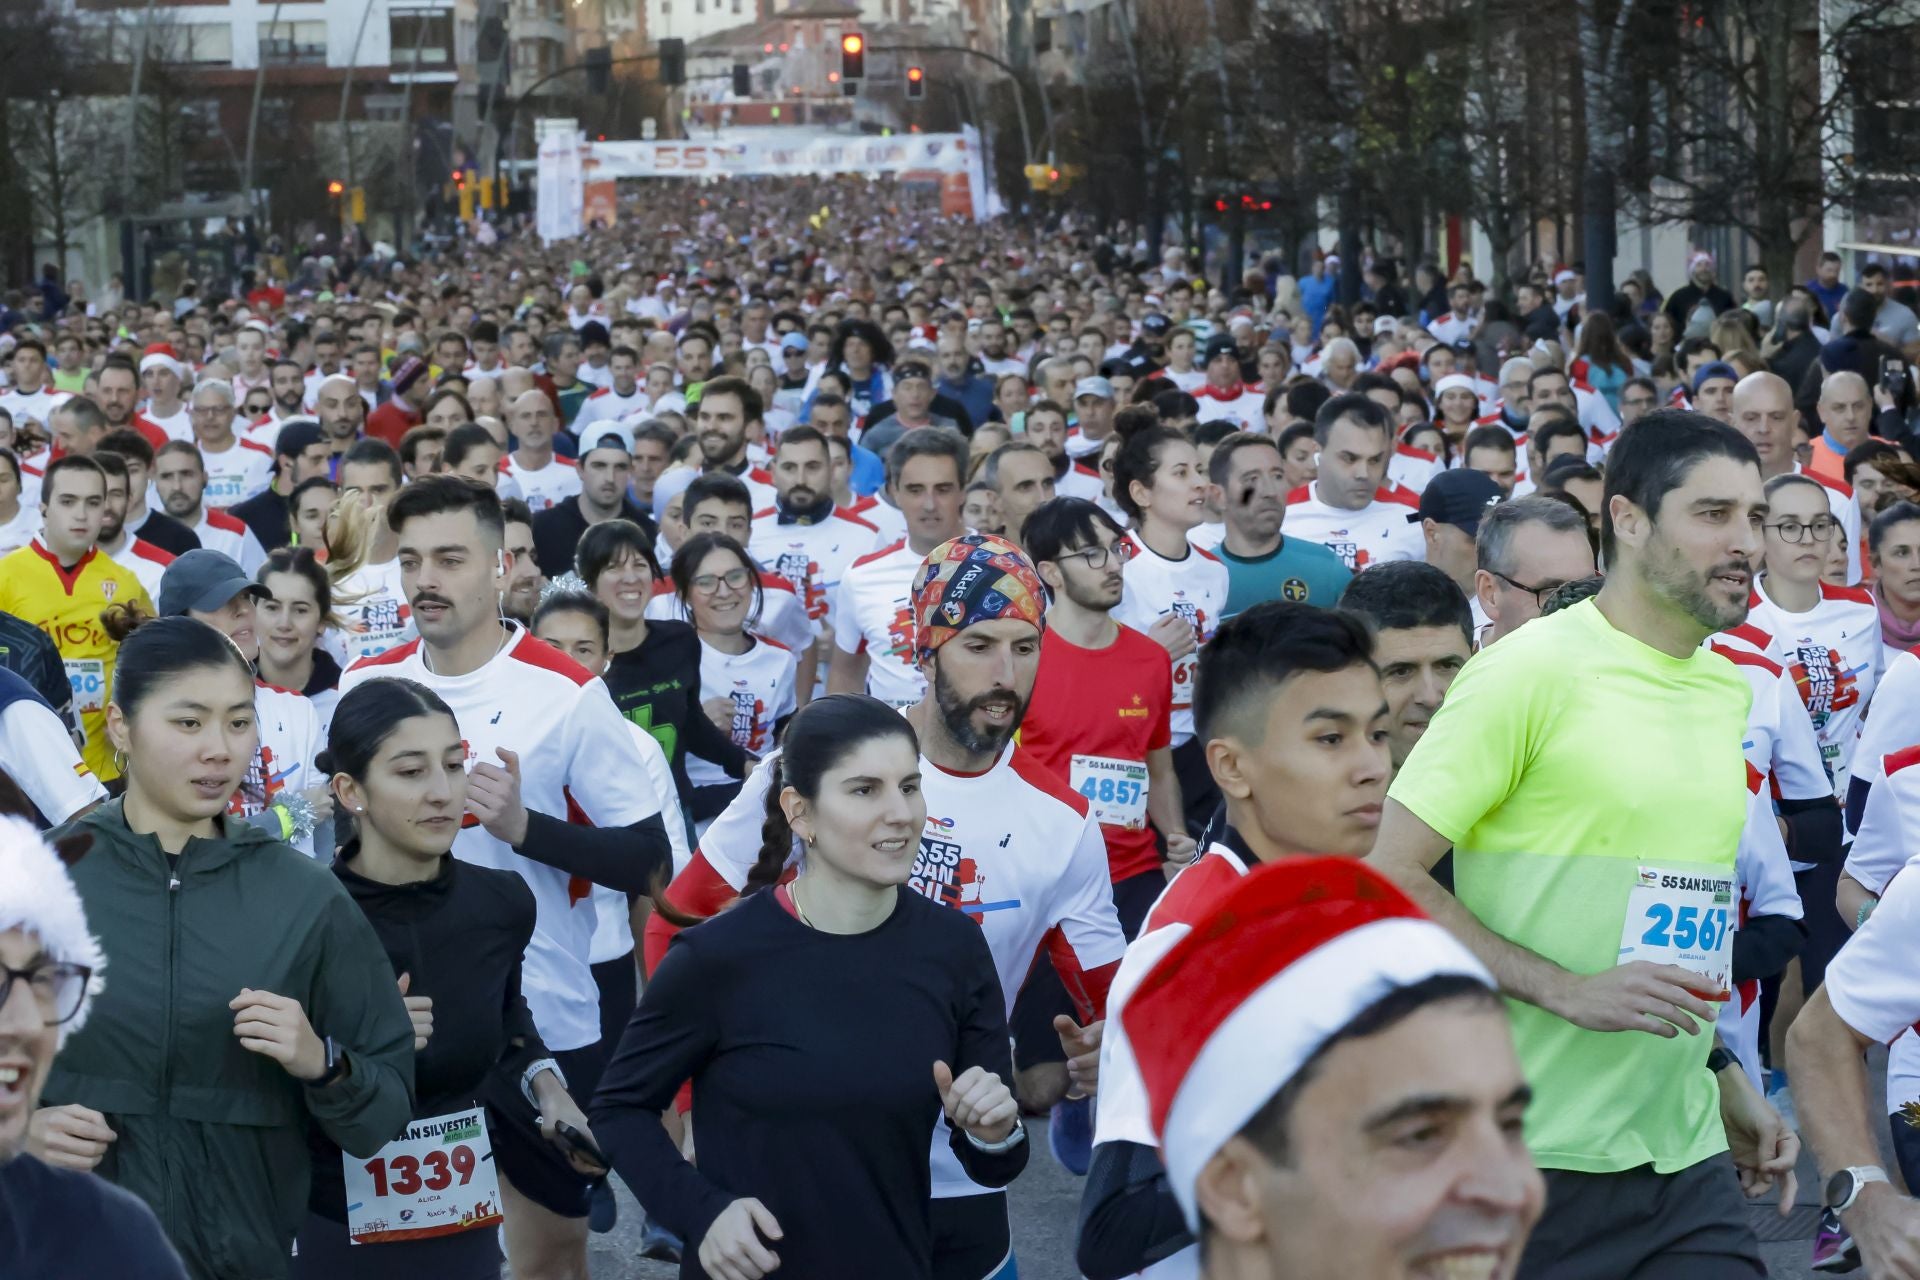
<point x="763" y="701"/>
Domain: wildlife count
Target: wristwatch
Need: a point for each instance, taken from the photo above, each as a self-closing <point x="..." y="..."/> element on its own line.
<point x="1844" y="1187"/>
<point x="1014" y="1139"/>
<point x="527" y="1076"/>
<point x="337" y="1066"/>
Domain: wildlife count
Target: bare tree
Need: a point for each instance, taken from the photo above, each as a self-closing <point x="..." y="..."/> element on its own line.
<point x="1762" y="91"/>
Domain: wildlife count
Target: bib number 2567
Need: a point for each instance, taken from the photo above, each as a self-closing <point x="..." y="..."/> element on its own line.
<point x="1683" y="918"/>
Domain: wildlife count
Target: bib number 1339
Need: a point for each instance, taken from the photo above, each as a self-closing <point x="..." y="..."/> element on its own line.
<point x="1683" y="918"/>
<point x="435" y="1179"/>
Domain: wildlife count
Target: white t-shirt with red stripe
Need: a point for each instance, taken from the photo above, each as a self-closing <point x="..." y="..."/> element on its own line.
<point x="1240" y="403"/>
<point x="1080" y="481"/>
<point x="1764" y="877"/>
<point x="577" y="761"/>
<point x="873" y="614"/>
<point x="1014" y="848"/>
<point x="35" y="405"/>
<point x="1195" y="588"/>
<point x="1376" y="533"/>
<point x="760" y="685"/>
<point x="230" y="536"/>
<point x="608" y="408"/>
<point x="1780" y="742"/>
<point x="543" y="487"/>
<point x="147" y="562"/>
<point x="813" y="557"/>
<point x="1871" y="983"/>
<point x="1832" y="651"/>
<point x="1412" y="468"/>
<point x="177" y="425"/>
<point x="1894" y="725"/>
<point x="236" y="473"/>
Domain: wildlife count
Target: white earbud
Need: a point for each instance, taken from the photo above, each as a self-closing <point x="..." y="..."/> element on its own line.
<point x="500" y="562"/>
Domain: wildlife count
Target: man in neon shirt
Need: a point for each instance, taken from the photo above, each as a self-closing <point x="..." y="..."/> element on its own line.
<point x="1585" y="878"/>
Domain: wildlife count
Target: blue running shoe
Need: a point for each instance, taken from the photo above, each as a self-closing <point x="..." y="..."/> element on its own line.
<point x="603" y="1211"/>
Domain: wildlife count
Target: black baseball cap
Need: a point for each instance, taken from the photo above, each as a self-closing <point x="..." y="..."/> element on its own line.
<point x="1156" y="324"/>
<point x="1458" y="498"/>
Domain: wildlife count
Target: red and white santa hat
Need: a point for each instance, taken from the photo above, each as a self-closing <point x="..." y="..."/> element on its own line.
<point x="1455" y="382"/>
<point x="161" y="355"/>
<point x="1278" y="965"/>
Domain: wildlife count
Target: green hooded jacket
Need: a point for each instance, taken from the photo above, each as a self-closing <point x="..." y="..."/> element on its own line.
<point x="212" y="1135"/>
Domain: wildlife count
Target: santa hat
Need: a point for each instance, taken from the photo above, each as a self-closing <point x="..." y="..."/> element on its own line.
<point x="37" y="897"/>
<point x="161" y="355"/>
<point x="1281" y="963"/>
<point x="1455" y="382"/>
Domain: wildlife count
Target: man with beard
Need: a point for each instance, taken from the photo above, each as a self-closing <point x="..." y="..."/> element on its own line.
<point x="140" y="557"/>
<point x="1566" y="861"/>
<point x="117" y="392"/>
<point x="604" y="469"/>
<point x="146" y="521"/>
<point x="342" y="413"/>
<point x="1004" y="841"/>
<point x="1249" y="475"/>
<point x="526" y="578"/>
<point x="802" y="537"/>
<point x="287" y="383"/>
<point x="729" y="409"/>
<point x="180" y="483"/>
<point x="1047" y="431"/>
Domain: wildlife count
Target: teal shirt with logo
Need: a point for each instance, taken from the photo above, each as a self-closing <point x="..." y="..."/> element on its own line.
<point x="1297" y="570"/>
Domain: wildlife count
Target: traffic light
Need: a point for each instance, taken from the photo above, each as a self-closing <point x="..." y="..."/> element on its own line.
<point x="916" y="83"/>
<point x="853" y="56"/>
<point x="673" y="62"/>
<point x="357" y="205"/>
<point x="335" y="187"/>
<point x="599" y="64"/>
<point x="742" y="80"/>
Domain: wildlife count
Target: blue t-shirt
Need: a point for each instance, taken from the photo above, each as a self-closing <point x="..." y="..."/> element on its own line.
<point x="1297" y="570"/>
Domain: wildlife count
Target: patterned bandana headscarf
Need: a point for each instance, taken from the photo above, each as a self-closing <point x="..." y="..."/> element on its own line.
<point x="972" y="579"/>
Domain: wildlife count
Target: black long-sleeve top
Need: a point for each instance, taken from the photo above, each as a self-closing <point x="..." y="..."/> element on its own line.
<point x="656" y="684"/>
<point x="811" y="1056"/>
<point x="459" y="937"/>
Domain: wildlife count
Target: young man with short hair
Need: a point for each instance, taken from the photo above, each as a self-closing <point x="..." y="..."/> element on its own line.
<point x="180" y="484"/>
<point x="1422" y="636"/>
<point x="1022" y="478"/>
<point x="1248" y="473"/>
<point x="152" y="524"/>
<point x="146" y="561"/>
<point x="731" y="412"/>
<point x="1563" y="899"/>
<point x="718" y="503"/>
<point x="61" y="583"/>
<point x="1047" y="431"/>
<point x="603" y="469"/>
<point x="1289" y="706"/>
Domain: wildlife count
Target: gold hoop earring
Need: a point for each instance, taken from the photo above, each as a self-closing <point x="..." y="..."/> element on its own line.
<point x="119" y="761"/>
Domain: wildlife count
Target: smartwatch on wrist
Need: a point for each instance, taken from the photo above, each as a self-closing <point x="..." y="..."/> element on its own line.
<point x="337" y="1066"/>
<point x="1014" y="1139"/>
<point x="533" y="1070"/>
<point x="1844" y="1187"/>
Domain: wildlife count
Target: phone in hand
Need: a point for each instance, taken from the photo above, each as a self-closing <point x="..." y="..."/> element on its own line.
<point x="1893" y="377"/>
<point x="581" y="1143"/>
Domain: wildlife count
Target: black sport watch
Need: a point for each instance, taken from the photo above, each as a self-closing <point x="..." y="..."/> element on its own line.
<point x="337" y="1067"/>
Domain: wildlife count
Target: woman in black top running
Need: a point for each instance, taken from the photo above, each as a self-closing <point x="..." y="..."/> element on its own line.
<point x="426" y="1204"/>
<point x="654" y="674"/>
<point x="825" y="1025"/>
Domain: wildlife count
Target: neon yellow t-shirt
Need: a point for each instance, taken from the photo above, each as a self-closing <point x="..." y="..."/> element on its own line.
<point x="67" y="606"/>
<point x="1571" y="766"/>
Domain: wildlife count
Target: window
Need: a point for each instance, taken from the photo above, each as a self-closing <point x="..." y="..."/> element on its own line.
<point x="294" y="43"/>
<point x="425" y="34"/>
<point x="207" y="42"/>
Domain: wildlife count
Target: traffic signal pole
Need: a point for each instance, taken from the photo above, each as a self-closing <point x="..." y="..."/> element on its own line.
<point x="1019" y="91"/>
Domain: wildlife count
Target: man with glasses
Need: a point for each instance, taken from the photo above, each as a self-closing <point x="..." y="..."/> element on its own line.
<point x="1524" y="551"/>
<point x="236" y="469"/>
<point x="60" y="1220"/>
<point x="1638" y="398"/>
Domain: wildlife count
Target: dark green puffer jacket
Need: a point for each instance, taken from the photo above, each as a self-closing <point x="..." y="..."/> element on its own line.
<point x="212" y="1135"/>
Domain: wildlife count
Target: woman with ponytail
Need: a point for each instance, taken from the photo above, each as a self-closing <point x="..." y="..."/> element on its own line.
<point x="826" y="1024"/>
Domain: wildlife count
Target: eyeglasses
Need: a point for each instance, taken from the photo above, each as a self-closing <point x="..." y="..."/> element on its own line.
<point x="1097" y="557"/>
<point x="58" y="988"/>
<point x="710" y="583"/>
<point x="1821" y="529"/>
<point x="1539" y="593"/>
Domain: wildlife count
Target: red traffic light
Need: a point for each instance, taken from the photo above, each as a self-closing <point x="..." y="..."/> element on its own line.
<point x="335" y="187"/>
<point x="853" y="42"/>
<point x="915" y="74"/>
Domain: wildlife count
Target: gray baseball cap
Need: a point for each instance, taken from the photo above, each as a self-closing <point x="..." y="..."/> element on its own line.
<point x="202" y="581"/>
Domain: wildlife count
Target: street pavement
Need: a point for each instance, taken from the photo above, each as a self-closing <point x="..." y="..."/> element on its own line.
<point x="1046" y="1203"/>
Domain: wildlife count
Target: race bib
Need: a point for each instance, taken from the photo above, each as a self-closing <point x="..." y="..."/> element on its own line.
<point x="1683" y="918"/>
<point x="1116" y="790"/>
<point x="435" y="1179"/>
<point x="88" y="676"/>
